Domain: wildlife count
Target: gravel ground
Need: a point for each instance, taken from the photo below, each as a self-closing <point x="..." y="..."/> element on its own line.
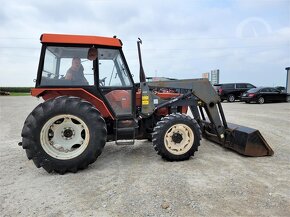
<point x="135" y="181"/>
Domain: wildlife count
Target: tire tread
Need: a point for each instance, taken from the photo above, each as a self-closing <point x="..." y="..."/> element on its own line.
<point x="33" y="122"/>
<point x="163" y="125"/>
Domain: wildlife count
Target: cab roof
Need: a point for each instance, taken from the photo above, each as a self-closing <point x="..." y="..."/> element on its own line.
<point x="80" y="39"/>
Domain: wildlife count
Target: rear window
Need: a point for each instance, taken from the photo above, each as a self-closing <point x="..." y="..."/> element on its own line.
<point x="250" y="86"/>
<point x="253" y="90"/>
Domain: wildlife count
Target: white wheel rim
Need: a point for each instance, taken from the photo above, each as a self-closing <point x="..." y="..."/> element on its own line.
<point x="232" y="98"/>
<point x="179" y="148"/>
<point x="64" y="137"/>
<point x="261" y="100"/>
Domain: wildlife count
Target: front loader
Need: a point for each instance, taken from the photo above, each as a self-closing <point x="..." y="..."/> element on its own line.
<point x="68" y="131"/>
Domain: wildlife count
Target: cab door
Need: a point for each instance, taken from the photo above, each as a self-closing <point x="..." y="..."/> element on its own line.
<point x="115" y="82"/>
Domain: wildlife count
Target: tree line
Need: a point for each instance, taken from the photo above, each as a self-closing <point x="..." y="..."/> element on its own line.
<point x="16" y="89"/>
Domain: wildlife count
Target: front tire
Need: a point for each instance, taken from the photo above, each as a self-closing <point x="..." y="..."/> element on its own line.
<point x="176" y="137"/>
<point x="64" y="134"/>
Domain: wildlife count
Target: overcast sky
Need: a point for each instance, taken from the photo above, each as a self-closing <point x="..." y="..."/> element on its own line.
<point x="248" y="40"/>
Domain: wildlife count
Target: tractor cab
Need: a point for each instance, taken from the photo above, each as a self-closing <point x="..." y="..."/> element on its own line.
<point x="93" y="64"/>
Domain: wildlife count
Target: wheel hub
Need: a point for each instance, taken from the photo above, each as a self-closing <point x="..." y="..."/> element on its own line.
<point x="177" y="138"/>
<point x="68" y="133"/>
<point x="64" y="136"/>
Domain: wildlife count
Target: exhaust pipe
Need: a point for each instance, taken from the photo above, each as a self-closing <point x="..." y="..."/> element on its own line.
<point x="244" y="140"/>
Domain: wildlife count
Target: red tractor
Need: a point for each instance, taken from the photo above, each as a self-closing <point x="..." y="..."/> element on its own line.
<point x="90" y="98"/>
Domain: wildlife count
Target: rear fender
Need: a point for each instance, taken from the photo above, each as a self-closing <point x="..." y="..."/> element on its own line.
<point x="48" y="93"/>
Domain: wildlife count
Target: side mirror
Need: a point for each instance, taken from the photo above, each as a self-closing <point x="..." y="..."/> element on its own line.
<point x="92" y="53"/>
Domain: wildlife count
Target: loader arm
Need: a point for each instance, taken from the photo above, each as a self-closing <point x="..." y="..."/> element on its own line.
<point x="200" y="88"/>
<point x="200" y="97"/>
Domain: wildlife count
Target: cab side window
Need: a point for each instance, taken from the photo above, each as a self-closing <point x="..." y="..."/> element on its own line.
<point x="59" y="62"/>
<point x="112" y="69"/>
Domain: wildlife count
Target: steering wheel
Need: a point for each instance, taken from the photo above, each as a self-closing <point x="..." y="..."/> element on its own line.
<point x="102" y="81"/>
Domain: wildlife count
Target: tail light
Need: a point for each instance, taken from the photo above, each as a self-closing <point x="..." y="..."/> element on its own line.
<point x="220" y="90"/>
<point x="251" y="95"/>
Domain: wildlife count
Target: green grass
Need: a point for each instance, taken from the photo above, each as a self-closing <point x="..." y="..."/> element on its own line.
<point x="19" y="94"/>
<point x="16" y="89"/>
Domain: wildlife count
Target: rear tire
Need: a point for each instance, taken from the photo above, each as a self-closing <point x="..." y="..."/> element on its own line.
<point x="231" y="98"/>
<point x="176" y="137"/>
<point x="64" y="134"/>
<point x="261" y="100"/>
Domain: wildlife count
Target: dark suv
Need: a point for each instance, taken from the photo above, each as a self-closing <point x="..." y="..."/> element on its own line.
<point x="232" y="91"/>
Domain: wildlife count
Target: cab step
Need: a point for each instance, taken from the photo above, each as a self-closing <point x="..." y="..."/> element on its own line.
<point x="125" y="131"/>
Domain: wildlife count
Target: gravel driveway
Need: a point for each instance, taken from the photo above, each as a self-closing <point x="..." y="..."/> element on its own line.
<point x="135" y="181"/>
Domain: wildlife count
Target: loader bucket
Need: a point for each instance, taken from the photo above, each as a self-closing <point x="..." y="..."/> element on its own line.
<point x="247" y="141"/>
<point x="244" y="140"/>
